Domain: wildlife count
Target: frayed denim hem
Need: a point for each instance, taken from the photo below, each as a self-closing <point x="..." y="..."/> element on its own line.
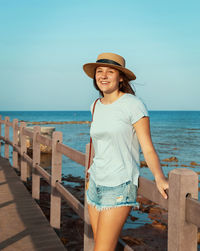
<point x="101" y="208"/>
<point x="89" y="201"/>
<point x="135" y="205"/>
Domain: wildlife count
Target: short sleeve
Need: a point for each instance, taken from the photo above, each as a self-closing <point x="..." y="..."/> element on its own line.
<point x="137" y="110"/>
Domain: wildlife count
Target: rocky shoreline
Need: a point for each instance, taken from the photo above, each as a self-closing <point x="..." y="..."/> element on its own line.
<point x="148" y="237"/>
<point x="55" y="122"/>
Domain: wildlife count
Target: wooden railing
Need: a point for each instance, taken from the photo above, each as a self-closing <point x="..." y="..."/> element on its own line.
<point x="183" y="205"/>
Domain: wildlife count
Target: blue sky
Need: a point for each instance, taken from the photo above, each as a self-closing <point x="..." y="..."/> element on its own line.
<point x="44" y="43"/>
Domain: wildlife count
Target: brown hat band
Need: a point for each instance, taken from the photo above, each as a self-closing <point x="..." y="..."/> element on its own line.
<point x="107" y="61"/>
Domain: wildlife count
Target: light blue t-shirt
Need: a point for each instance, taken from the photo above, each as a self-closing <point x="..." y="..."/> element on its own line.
<point x="115" y="142"/>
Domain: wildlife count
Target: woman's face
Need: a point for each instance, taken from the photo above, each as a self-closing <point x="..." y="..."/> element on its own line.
<point x="107" y="79"/>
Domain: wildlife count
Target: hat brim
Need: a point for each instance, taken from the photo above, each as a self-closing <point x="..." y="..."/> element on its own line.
<point x="89" y="69"/>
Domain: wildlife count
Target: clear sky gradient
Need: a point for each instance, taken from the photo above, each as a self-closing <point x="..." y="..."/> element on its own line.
<point x="44" y="43"/>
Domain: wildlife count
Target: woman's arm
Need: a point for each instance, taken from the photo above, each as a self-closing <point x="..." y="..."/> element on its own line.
<point x="142" y="128"/>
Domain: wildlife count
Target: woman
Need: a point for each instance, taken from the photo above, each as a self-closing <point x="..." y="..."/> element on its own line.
<point x="120" y="124"/>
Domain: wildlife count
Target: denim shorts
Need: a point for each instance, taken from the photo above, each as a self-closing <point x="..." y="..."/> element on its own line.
<point x="104" y="197"/>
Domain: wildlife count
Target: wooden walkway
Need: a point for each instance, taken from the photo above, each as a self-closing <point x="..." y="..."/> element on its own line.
<point x="23" y="225"/>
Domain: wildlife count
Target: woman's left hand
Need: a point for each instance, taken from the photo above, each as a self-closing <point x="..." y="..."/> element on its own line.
<point x="162" y="184"/>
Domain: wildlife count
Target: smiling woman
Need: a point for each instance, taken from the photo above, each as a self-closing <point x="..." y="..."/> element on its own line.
<point x="120" y="123"/>
<point x="114" y="63"/>
<point x="107" y="79"/>
<point x="122" y="80"/>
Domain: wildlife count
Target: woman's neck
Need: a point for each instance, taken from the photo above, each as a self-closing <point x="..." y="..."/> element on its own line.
<point x="111" y="97"/>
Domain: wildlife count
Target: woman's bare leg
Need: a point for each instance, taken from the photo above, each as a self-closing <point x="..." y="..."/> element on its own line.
<point x="93" y="214"/>
<point x="109" y="226"/>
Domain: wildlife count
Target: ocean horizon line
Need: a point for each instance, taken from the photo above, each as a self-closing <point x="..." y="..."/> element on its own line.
<point x="89" y="111"/>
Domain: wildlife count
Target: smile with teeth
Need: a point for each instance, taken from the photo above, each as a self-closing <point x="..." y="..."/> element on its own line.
<point x="104" y="82"/>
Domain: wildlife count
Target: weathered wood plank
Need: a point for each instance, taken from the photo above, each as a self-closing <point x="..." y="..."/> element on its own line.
<point x="15" y="143"/>
<point x="43" y="140"/>
<point x="147" y="188"/>
<point x="27" y="132"/>
<point x="23" y="168"/>
<point x="7" y="130"/>
<point x="71" y="153"/>
<point x="56" y="172"/>
<point x="43" y="173"/>
<point x="71" y="200"/>
<point x="28" y="159"/>
<point x="88" y="234"/>
<point x="181" y="234"/>
<point x="193" y="211"/>
<point x="36" y="161"/>
<point x="23" y="224"/>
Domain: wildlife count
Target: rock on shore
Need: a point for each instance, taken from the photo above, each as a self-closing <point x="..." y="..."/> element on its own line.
<point x="56" y="122"/>
<point x="45" y="131"/>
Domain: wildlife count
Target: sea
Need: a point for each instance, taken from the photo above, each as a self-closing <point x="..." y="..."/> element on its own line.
<point x="174" y="134"/>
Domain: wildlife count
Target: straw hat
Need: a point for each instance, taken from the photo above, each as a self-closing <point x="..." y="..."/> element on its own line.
<point x="109" y="60"/>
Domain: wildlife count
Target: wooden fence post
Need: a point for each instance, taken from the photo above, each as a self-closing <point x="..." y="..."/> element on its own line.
<point x="6" y="149"/>
<point x="0" y="134"/>
<point x="56" y="172"/>
<point x="24" y="169"/>
<point x="88" y="234"/>
<point x="36" y="160"/>
<point x="15" y="143"/>
<point x="182" y="236"/>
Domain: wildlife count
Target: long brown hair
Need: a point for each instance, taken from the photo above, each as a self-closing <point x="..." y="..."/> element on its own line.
<point x="124" y="86"/>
